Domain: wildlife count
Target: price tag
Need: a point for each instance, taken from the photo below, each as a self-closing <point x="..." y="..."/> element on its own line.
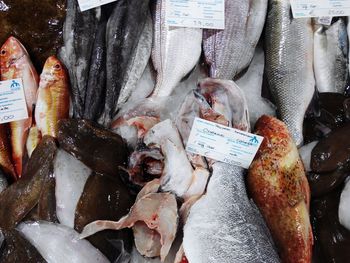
<point x="222" y="143"/>
<point x="89" y="4"/>
<point x="13" y="105"/>
<point x="318" y="8"/>
<point x="196" y="13"/>
<point x="324" y="20"/>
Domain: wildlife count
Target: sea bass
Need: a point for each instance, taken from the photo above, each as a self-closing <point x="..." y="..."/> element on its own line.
<point x="175" y="52"/>
<point x="229" y="51"/>
<point x="278" y="184"/>
<point x="15" y="63"/>
<point x="331" y="57"/>
<point x="79" y="35"/>
<point x="5" y="153"/>
<point x="53" y="97"/>
<point x="289" y="64"/>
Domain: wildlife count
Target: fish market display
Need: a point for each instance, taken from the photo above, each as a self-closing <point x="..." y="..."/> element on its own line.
<point x="278" y="185"/>
<point x="53" y="97"/>
<point x="15" y="63"/>
<point x="344" y="214"/>
<point x="331" y="57"/>
<point x="64" y="247"/>
<point x="175" y="51"/>
<point x="229" y="51"/>
<point x="289" y="65"/>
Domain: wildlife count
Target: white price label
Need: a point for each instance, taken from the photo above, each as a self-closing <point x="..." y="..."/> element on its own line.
<point x="196" y="13"/>
<point x="89" y="4"/>
<point x="324" y="20"/>
<point x="13" y="105"/>
<point x="222" y="143"/>
<point x="316" y="8"/>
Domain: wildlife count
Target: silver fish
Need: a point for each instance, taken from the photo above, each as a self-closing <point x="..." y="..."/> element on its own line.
<point x="331" y="57"/>
<point x="175" y="52"/>
<point x="224" y="225"/>
<point x="139" y="62"/>
<point x="251" y="84"/>
<point x="229" y="51"/>
<point x="289" y="65"/>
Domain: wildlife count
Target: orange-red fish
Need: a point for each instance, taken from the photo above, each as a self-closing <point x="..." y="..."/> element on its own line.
<point x="53" y="97"/>
<point x="15" y="63"/>
<point x="278" y="185"/>
<point x="5" y="153"/>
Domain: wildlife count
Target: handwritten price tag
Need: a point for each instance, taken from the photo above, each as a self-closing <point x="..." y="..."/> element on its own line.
<point x="319" y="8"/>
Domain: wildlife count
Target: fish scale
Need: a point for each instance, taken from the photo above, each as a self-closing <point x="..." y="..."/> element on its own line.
<point x="289" y="65"/>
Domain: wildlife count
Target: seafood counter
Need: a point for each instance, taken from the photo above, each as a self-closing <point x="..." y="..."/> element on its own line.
<point x="99" y="171"/>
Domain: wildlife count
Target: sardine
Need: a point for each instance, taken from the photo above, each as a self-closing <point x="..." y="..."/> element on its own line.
<point x="289" y="64"/>
<point x="224" y="226"/>
<point x="229" y="51"/>
<point x="79" y="35"/>
<point x="124" y="29"/>
<point x="15" y="63"/>
<point x="175" y="51"/>
<point x="278" y="184"/>
<point x="5" y="153"/>
<point x="331" y="57"/>
<point x="139" y="62"/>
<point x="53" y="97"/>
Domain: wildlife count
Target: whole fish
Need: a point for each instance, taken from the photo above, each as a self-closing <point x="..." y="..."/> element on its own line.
<point x="175" y="51"/>
<point x="224" y="225"/>
<point x="331" y="57"/>
<point x="278" y="184"/>
<point x="5" y="153"/>
<point x="124" y="29"/>
<point x="53" y="97"/>
<point x="79" y="35"/>
<point x="139" y="62"/>
<point x="289" y="64"/>
<point x="15" y="63"/>
<point x="229" y="51"/>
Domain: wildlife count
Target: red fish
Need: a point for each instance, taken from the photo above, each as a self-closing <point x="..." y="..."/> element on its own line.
<point x="15" y="63"/>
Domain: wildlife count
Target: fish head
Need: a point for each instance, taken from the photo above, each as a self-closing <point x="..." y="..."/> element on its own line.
<point x="53" y="71"/>
<point x="11" y="53"/>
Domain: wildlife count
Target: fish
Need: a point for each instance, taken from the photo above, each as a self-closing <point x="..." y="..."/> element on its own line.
<point x="6" y="164"/>
<point x="139" y="62"/>
<point x="71" y="176"/>
<point x="157" y="224"/>
<point x="227" y="52"/>
<point x="224" y="225"/>
<point x="15" y="63"/>
<point x="52" y="98"/>
<point x="175" y="51"/>
<point x="305" y="154"/>
<point x="124" y="30"/>
<point x="79" y="33"/>
<point x="278" y="185"/>
<point x="343" y="211"/>
<point x="330" y="57"/>
<point x="47" y="237"/>
<point x="289" y="65"/>
<point x="34" y="137"/>
<point x="251" y="84"/>
<point x="3" y="183"/>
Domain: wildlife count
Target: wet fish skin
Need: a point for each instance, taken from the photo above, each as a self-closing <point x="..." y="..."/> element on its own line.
<point x="278" y="185"/>
<point x="15" y="63"/>
<point x="78" y="35"/>
<point x="33" y="139"/>
<point x="229" y="51"/>
<point x="330" y="57"/>
<point x="53" y="97"/>
<point x="3" y="183"/>
<point x="124" y="28"/>
<point x="175" y="52"/>
<point x="289" y="64"/>
<point x="5" y="153"/>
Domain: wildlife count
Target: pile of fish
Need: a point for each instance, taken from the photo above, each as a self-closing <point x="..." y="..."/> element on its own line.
<point x="98" y="172"/>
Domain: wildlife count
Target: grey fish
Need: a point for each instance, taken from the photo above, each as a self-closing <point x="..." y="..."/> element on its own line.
<point x="289" y="65"/>
<point x="175" y="52"/>
<point x="229" y="51"/>
<point x="3" y="181"/>
<point x="78" y="35"/>
<point x="124" y="29"/>
<point x="96" y="85"/>
<point x="224" y="225"/>
<point x="139" y="62"/>
<point x="331" y="57"/>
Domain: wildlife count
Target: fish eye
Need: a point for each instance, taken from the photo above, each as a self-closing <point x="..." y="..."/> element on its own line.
<point x="57" y="67"/>
<point x="3" y="52"/>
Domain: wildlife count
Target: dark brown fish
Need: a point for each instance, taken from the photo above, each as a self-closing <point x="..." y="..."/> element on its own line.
<point x="5" y="153"/>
